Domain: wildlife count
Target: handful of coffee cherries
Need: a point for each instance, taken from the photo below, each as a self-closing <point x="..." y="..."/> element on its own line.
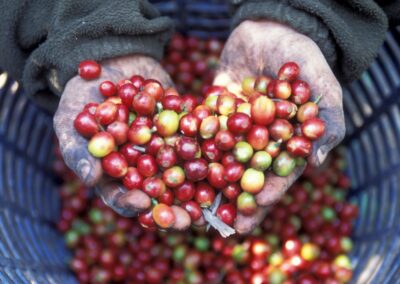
<point x="207" y="154"/>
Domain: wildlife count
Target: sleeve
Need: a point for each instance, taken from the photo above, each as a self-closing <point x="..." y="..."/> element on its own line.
<point x="349" y="33"/>
<point x="43" y="41"/>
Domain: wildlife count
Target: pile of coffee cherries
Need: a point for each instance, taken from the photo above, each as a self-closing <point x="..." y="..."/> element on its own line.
<point x="304" y="239"/>
<point x="191" y="62"/>
<point x="180" y="151"/>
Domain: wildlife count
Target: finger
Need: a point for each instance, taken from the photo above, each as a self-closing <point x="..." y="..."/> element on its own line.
<point x="331" y="112"/>
<point x="145" y="66"/>
<point x="275" y="186"/>
<point x="182" y="218"/>
<point x="125" y="203"/>
<point x="246" y="224"/>
<point x="74" y="149"/>
<point x="73" y="146"/>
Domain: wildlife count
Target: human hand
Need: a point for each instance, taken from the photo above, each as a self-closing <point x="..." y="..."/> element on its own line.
<point x="256" y="48"/>
<point x="76" y="95"/>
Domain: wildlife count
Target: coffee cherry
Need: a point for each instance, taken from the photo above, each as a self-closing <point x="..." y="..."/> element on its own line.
<point x="101" y="144"/>
<point x="146" y="165"/>
<point x="154" y="145"/>
<point x="146" y="219"/>
<point x="86" y="125"/>
<point x="204" y="195"/>
<point x="309" y="251"/>
<point x="216" y="175"/>
<point x="281" y="129"/>
<point x="153" y="187"/>
<point x="299" y="146"/>
<point x="127" y="92"/>
<point x="248" y="85"/>
<point x="209" y="127"/>
<point x="246" y="204"/>
<point x="283" y="164"/>
<point x="262" y="110"/>
<point x="137" y="81"/>
<point x="285" y="109"/>
<point x="282" y="90"/>
<point x="154" y="89"/>
<point x="239" y="123"/>
<point x="185" y="191"/>
<point x="301" y="92"/>
<point x="167" y="197"/>
<point x="261" y="84"/>
<point x="107" y="88"/>
<point x="210" y="151"/>
<point x="243" y="152"/>
<point x="313" y="128"/>
<point x="289" y="71"/>
<point x="193" y="209"/>
<point x="115" y="165"/>
<point x="144" y="104"/>
<point x="189" y="125"/>
<point x="166" y="157"/>
<point x="122" y="113"/>
<point x="244" y="108"/>
<point x="167" y="123"/>
<point x="163" y="216"/>
<point x="131" y="155"/>
<point x="261" y="161"/>
<point x="307" y="111"/>
<point x="234" y="171"/>
<point x="252" y="181"/>
<point x="196" y="170"/>
<point x="106" y="113"/>
<point x="172" y="103"/>
<point x="119" y="130"/>
<point x="139" y="134"/>
<point x="89" y="70"/>
<point x="227" y="213"/>
<point x="273" y="148"/>
<point x="201" y="112"/>
<point x="189" y="102"/>
<point x="174" y="177"/>
<point x="133" y="179"/>
<point x="231" y="191"/>
<point x="187" y="148"/>
<point x="258" y="137"/>
<point x="226" y="104"/>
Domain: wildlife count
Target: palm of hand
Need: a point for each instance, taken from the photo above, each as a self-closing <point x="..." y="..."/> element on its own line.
<point x="77" y="94"/>
<point x="256" y="48"/>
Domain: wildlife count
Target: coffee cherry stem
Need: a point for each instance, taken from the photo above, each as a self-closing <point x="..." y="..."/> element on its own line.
<point x="318" y="99"/>
<point x="159" y="107"/>
<point x="138" y="148"/>
<point x="154" y="202"/>
<point x="214" y="207"/>
<point x="217" y="224"/>
<point x="213" y="221"/>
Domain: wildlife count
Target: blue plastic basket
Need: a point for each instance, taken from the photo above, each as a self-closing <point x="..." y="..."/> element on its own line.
<point x="31" y="250"/>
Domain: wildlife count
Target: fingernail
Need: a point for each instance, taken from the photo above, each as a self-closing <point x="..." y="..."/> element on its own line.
<point x="84" y="168"/>
<point x="321" y="155"/>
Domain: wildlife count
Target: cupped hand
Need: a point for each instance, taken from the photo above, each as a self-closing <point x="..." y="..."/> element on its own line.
<point x="76" y="95"/>
<point x="260" y="48"/>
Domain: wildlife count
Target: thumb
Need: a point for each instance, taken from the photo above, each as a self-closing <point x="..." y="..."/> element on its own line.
<point x="125" y="203"/>
<point x="246" y="224"/>
<point x="72" y="145"/>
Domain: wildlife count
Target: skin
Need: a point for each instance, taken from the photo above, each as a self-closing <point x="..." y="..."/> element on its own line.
<point x="79" y="92"/>
<point x="256" y="48"/>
